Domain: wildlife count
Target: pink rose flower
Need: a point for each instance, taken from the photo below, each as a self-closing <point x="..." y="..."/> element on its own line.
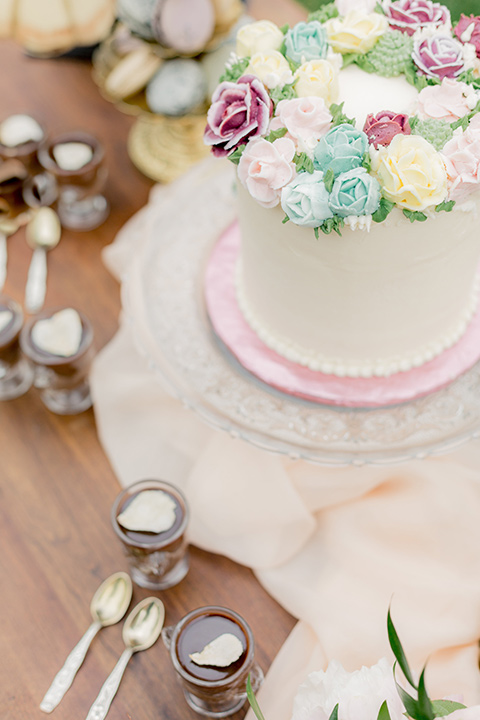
<point x="239" y="111"/>
<point x="265" y="168"/>
<point x="382" y="127"/>
<point x="449" y="101"/>
<point x="468" y="31"/>
<point x="306" y="120"/>
<point x="439" y="56"/>
<point x="411" y="15"/>
<point x="461" y="156"/>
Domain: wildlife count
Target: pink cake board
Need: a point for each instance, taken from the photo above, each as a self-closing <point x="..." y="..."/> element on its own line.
<point x="293" y="379"/>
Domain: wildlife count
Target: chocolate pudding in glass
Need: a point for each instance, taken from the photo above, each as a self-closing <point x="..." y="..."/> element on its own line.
<point x="158" y="559"/>
<point x="214" y="684"/>
<point x="62" y="379"/>
<point x="21" y="137"/>
<point x="16" y="374"/>
<point x="75" y="159"/>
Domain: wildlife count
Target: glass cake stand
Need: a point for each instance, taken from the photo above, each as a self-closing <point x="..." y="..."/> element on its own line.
<point x="164" y="303"/>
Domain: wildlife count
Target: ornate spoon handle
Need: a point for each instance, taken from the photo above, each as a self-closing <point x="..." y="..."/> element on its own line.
<point x="100" y="707"/>
<point x="36" y="281"/>
<point x="64" y="678"/>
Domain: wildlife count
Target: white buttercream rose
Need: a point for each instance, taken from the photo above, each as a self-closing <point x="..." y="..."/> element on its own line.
<point x="357" y="32"/>
<point x="265" y="168"/>
<point x="317" y="78"/>
<point x="359" y="694"/>
<point x="449" y="101"/>
<point x="461" y="156"/>
<point x="471" y="713"/>
<point x="306" y="120"/>
<point x="411" y="173"/>
<point x="258" y="37"/>
<point x="271" y="68"/>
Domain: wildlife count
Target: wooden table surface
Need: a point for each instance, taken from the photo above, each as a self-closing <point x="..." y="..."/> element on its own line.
<point x="56" y="485"/>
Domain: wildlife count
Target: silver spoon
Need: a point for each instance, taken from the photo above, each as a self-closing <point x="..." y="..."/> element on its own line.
<point x="43" y="234"/>
<point x="7" y="228"/>
<point x="141" y="629"/>
<point x="108" y="606"/>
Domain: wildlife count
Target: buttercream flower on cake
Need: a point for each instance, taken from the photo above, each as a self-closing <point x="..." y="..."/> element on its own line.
<point x="305" y="119"/>
<point x="439" y="56"/>
<point x="410" y="16"/>
<point x="355" y="193"/>
<point x="461" y="156"/>
<point x="265" y="168"/>
<point x="411" y="173"/>
<point x="449" y="101"/>
<point x="306" y="200"/>
<point x="356" y="32"/>
<point x="344" y="6"/>
<point x="239" y="111"/>
<point x="258" y="37"/>
<point x="381" y="128"/>
<point x="467" y="30"/>
<point x="306" y="41"/>
<point x="341" y="149"/>
<point x="317" y="78"/>
<point x="271" y="67"/>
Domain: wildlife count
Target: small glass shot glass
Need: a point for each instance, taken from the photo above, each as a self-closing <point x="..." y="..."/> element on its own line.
<point x="26" y="152"/>
<point x="157" y="560"/>
<point x="63" y="381"/>
<point x="211" y="690"/>
<point x="81" y="204"/>
<point x="16" y="373"/>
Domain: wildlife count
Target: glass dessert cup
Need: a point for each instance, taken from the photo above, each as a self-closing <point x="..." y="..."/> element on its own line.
<point x="25" y="152"/>
<point x="16" y="373"/>
<point x="210" y="690"/>
<point x="157" y="560"/>
<point x="63" y="381"/>
<point x="81" y="204"/>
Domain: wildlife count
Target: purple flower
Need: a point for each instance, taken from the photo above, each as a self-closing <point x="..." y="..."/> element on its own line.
<point x="439" y="56"/>
<point x="382" y="127"/>
<point x="239" y="111"/>
<point x="411" y="15"/>
<point x="468" y="30"/>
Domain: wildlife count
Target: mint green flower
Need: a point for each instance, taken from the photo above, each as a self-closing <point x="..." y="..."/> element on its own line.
<point x="355" y="193"/>
<point x="436" y="132"/>
<point x="305" y="42"/>
<point x="391" y="54"/>
<point x="305" y="200"/>
<point x="341" y="149"/>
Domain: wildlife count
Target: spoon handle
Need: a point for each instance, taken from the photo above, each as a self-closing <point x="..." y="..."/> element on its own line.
<point x="36" y="281"/>
<point x="3" y="259"/>
<point x="100" y="707"/>
<point x="64" y="678"/>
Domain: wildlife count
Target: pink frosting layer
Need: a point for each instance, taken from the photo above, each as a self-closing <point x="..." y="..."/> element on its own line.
<point x="231" y="327"/>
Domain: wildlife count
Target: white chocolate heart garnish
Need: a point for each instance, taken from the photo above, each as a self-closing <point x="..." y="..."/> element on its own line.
<point x="72" y="155"/>
<point x="5" y="319"/>
<point x="61" y="334"/>
<point x="149" y="511"/>
<point x="18" y="129"/>
<point x="221" y="652"/>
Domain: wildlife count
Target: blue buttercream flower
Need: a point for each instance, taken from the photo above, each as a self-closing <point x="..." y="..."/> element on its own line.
<point x="355" y="193"/>
<point x="305" y="200"/>
<point x="306" y="41"/>
<point x="341" y="149"/>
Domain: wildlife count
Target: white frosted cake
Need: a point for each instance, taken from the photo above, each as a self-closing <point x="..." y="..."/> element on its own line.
<point x="357" y="139"/>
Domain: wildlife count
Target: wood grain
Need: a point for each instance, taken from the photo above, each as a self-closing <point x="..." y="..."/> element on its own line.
<point x="56" y="486"/>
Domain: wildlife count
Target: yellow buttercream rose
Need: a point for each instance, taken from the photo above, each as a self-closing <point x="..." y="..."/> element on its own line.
<point x="317" y="78"/>
<point x="271" y="68"/>
<point x="356" y="32"/>
<point x="258" y="37"/>
<point x="411" y="172"/>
